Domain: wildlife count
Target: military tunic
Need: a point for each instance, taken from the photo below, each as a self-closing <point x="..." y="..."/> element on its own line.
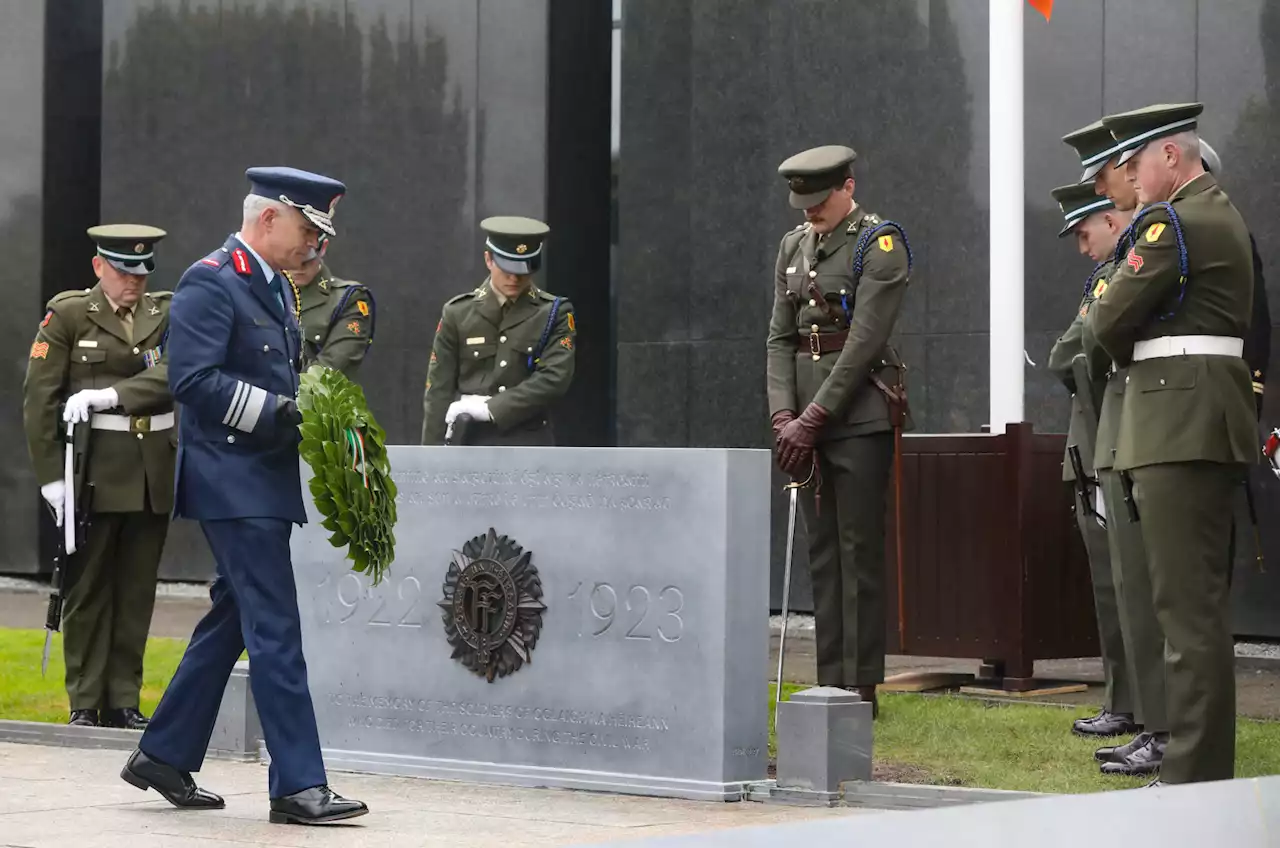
<point x="1187" y="426"/>
<point x="485" y="347"/>
<point x="1082" y="434"/>
<point x="824" y="347"/>
<point x="1143" y="637"/>
<point x="83" y="344"/>
<point x="335" y="333"/>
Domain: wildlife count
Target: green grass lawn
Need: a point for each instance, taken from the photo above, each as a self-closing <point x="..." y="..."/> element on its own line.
<point x="25" y="696"/>
<point x="956" y="741"/>
<point x="938" y="739"/>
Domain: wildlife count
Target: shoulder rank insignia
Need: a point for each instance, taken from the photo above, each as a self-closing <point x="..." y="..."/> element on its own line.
<point x="886" y="243"/>
<point x="212" y="263"/>
<point x="566" y="343"/>
<point x="1133" y="260"/>
<point x="40" y="350"/>
<point x="354" y="327"/>
<point x="242" y="262"/>
<point x="363" y="308"/>
<point x="1154" y="231"/>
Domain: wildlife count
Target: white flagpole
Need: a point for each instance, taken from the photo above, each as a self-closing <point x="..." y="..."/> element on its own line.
<point x="1006" y="189"/>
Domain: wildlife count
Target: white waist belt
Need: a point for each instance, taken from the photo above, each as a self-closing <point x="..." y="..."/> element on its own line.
<point x="1180" y="345"/>
<point x="125" y="423"/>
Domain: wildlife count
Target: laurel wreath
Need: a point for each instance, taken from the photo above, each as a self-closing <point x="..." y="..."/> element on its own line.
<point x="351" y="481"/>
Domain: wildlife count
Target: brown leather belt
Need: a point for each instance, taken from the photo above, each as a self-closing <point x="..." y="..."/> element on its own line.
<point x="820" y="343"/>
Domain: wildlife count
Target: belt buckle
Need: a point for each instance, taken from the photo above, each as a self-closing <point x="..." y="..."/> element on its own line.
<point x="140" y="424"/>
<point x="814" y="346"/>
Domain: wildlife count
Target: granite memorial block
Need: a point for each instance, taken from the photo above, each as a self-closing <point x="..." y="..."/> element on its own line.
<point x="590" y="618"/>
<point x="824" y="739"/>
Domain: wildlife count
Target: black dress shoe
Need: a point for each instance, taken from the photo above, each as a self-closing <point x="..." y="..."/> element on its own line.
<point x="1105" y="724"/>
<point x="176" y="787"/>
<point x="1116" y="753"/>
<point x="316" y="805"/>
<point x="130" y="718"/>
<point x="84" y="718"/>
<point x="1145" y="760"/>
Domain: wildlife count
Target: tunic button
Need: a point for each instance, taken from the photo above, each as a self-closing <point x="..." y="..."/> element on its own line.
<point x="317" y="337"/>
<point x="530" y="349"/>
<point x="842" y="291"/>
<point x="139" y="436"/>
<point x="475" y="353"/>
<point x="813" y="327"/>
<point x="1126" y="381"/>
<point x="1162" y="382"/>
<point x="266" y="348"/>
<point x="502" y="339"/>
<point x="813" y="302"/>
<point x="502" y="388"/>
<point x="502" y="364"/>
<point x="231" y="440"/>
<point x="135" y="350"/>
<point x="813" y="274"/>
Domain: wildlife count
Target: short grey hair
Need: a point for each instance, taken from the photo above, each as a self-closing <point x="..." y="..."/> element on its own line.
<point x="1189" y="143"/>
<point x="255" y="203"/>
<point x="1210" y="158"/>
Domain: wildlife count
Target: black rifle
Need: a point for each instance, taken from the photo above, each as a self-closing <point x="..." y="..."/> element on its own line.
<point x="1127" y="482"/>
<point x="1083" y="488"/>
<point x="75" y="529"/>
<point x="460" y="426"/>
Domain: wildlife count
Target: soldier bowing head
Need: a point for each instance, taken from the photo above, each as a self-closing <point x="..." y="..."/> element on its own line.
<point x="513" y="252"/>
<point x="125" y="257"/>
<point x="286" y="211"/>
<point x="821" y="183"/>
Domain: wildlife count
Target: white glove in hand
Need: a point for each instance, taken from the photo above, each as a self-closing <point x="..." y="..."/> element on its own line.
<point x="478" y="408"/>
<point x="55" y="495"/>
<point x="85" y="401"/>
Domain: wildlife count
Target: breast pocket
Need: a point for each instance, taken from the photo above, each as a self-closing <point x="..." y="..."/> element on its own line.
<point x="85" y="361"/>
<point x="479" y="353"/>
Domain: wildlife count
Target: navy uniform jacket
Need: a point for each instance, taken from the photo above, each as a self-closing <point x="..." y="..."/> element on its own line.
<point x="232" y="349"/>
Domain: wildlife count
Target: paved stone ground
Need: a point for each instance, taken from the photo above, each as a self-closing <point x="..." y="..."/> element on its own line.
<point x="58" y="797"/>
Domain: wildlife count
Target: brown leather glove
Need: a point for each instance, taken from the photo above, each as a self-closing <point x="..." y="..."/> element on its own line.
<point x="795" y="444"/>
<point x="781" y="419"/>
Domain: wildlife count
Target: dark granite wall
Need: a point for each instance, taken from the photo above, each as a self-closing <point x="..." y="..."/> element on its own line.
<point x="715" y="93"/>
<point x="435" y="113"/>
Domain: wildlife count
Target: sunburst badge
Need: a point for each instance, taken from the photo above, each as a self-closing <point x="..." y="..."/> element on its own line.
<point x="492" y="605"/>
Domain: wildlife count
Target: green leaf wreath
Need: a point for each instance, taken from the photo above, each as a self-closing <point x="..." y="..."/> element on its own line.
<point x="351" y="481"/>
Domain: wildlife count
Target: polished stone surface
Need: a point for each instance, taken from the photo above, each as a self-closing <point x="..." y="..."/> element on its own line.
<point x="642" y="622"/>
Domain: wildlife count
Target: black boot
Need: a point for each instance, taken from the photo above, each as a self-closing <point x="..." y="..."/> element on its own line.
<point x="1145" y="760"/>
<point x="1105" y="724"/>
<point x="1116" y="753"/>
<point x="176" y="787"/>
<point x="316" y="805"/>
<point x="130" y="718"/>
<point x="84" y="718"/>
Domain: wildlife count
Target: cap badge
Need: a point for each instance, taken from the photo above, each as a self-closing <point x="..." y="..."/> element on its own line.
<point x="139" y="247"/>
<point x="522" y="248"/>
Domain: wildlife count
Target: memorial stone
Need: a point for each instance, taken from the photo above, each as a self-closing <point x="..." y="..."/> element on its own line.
<point x="589" y="618"/>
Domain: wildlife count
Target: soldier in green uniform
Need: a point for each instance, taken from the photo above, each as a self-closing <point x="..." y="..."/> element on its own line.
<point x="839" y="283"/>
<point x="1175" y="312"/>
<point x="1097" y="226"/>
<point x="97" y="361"/>
<point x="503" y="353"/>
<point x="337" y="316"/>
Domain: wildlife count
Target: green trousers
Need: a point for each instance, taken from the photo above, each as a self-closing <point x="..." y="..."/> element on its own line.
<point x="846" y="530"/>
<point x="107" y="613"/>
<point x="1143" y="638"/>
<point x="1115" y="666"/>
<point x="1184" y="510"/>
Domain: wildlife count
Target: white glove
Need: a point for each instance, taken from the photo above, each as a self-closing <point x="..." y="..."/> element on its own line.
<point x="85" y="401"/>
<point x="55" y="494"/>
<point x="474" y="405"/>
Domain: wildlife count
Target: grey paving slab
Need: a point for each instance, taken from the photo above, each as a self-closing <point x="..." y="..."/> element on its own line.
<point x="54" y="797"/>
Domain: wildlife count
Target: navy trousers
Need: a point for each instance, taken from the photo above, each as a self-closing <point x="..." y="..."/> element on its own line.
<point x="255" y="606"/>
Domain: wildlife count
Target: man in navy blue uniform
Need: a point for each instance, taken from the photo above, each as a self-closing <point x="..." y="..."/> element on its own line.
<point x="234" y="349"/>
